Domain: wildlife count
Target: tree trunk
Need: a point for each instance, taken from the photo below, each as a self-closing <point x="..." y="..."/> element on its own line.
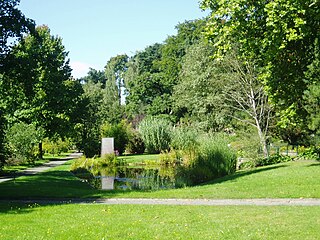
<point x="263" y="142"/>
<point x="40" y="150"/>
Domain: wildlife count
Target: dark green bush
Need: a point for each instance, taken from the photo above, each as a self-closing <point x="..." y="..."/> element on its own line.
<point x="135" y="144"/>
<point x="272" y="160"/>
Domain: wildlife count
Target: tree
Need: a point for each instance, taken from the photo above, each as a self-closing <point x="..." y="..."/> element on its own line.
<point x="114" y="73"/>
<point x="153" y="72"/>
<point x="199" y="96"/>
<point x="12" y="25"/>
<point x="247" y="96"/>
<point x="94" y="76"/>
<point x="38" y="71"/>
<point x="279" y="35"/>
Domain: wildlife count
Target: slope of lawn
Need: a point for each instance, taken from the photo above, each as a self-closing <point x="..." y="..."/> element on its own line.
<point x="300" y="179"/>
<point x="72" y="221"/>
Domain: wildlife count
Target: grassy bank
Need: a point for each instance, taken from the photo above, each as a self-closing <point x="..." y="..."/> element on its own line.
<point x="158" y="222"/>
<point x="288" y="180"/>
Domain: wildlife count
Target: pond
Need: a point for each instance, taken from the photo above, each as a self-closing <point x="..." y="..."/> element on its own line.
<point x="130" y="178"/>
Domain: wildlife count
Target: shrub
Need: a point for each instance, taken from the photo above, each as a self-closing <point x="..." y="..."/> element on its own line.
<point x="135" y="144"/>
<point x="156" y="134"/>
<point x="272" y="160"/>
<point x="311" y="153"/>
<point x="56" y="147"/>
<point x="22" y="139"/>
<point x="120" y="133"/>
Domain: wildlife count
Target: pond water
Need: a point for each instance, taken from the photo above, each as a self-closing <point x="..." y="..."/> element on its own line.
<point x="135" y="178"/>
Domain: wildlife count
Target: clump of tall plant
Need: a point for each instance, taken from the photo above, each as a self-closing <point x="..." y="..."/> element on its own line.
<point x="209" y="157"/>
<point x="156" y="134"/>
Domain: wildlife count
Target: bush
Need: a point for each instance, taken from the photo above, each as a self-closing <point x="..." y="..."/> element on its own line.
<point x="156" y="134"/>
<point x="22" y="139"/>
<point x="120" y="133"/>
<point x="135" y="144"/>
<point x="311" y="153"/>
<point x="56" y="147"/>
<point x="272" y="160"/>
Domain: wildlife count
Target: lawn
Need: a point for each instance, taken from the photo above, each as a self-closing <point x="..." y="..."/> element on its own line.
<point x="300" y="179"/>
<point x="84" y="221"/>
<point x="72" y="221"/>
<point x="141" y="158"/>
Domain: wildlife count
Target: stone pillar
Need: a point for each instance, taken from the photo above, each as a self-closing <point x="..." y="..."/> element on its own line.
<point x="107" y="146"/>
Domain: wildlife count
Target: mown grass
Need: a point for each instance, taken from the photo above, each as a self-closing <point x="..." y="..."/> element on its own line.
<point x="73" y="221"/>
<point x="298" y="179"/>
<point x="140" y="158"/>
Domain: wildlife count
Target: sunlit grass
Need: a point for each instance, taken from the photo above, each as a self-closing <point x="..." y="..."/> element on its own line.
<point x="158" y="222"/>
<point x="299" y="179"/>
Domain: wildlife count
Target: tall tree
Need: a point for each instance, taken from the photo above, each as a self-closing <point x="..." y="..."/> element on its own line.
<point x="39" y="70"/>
<point x="199" y="96"/>
<point x="12" y="24"/>
<point x="280" y="35"/>
<point x="114" y="73"/>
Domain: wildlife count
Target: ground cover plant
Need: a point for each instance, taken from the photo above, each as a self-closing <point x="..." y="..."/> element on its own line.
<point x="78" y="221"/>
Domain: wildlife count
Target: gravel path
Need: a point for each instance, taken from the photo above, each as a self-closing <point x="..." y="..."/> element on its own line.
<point x="190" y="202"/>
<point x="44" y="167"/>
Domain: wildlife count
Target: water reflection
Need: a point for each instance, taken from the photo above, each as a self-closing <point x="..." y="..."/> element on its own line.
<point x="134" y="178"/>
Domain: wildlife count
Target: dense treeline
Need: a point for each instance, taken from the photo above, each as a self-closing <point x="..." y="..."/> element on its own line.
<point x="246" y="72"/>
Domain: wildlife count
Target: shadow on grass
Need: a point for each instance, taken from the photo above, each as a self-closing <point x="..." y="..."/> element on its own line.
<point x="242" y="174"/>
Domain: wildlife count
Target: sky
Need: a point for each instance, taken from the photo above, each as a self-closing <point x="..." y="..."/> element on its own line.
<point x="96" y="30"/>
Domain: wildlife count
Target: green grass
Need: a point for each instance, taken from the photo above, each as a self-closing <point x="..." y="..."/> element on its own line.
<point x="287" y="180"/>
<point x="157" y="222"/>
<point x="9" y="170"/>
<point x="140" y="158"/>
<point x="12" y="169"/>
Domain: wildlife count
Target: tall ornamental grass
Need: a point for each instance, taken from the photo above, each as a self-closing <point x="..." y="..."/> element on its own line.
<point x="156" y="134"/>
<point x="210" y="158"/>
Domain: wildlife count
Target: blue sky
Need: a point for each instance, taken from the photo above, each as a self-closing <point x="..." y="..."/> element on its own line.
<point x="94" y="31"/>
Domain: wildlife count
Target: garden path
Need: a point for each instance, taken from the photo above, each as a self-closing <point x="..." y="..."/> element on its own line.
<point x="44" y="167"/>
<point x="190" y="202"/>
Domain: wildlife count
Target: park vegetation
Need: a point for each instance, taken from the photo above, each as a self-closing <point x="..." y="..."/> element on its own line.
<point x="230" y="85"/>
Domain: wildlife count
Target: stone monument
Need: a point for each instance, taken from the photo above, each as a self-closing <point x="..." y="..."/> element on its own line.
<point x="107" y="146"/>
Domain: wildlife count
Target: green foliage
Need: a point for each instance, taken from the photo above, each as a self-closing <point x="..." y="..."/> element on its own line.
<point x="184" y="138"/>
<point x="281" y="36"/>
<point x="211" y="159"/>
<point x="272" y="160"/>
<point x="12" y="24"/>
<point x="87" y="167"/>
<point x="120" y="133"/>
<point x="135" y="144"/>
<point x="156" y="134"/>
<point x="22" y="140"/>
<point x="56" y="146"/>
<point x="311" y="153"/>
